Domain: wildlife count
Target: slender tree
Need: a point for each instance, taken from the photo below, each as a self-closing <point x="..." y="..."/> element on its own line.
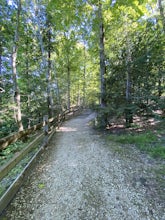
<point x="129" y="116"/>
<point x="49" y="70"/>
<point x="161" y="9"/>
<point x="102" y="57"/>
<point x="17" y="96"/>
<point x="46" y="60"/>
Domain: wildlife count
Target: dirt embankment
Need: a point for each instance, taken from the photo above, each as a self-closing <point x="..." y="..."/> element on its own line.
<point x="82" y="176"/>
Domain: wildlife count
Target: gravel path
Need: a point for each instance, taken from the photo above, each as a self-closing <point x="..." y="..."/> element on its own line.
<point x="83" y="177"/>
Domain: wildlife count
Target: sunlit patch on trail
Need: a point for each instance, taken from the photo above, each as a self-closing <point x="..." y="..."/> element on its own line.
<point x="79" y="146"/>
<point x="67" y="129"/>
<point x="73" y="164"/>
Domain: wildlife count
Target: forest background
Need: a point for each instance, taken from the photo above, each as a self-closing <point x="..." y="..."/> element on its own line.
<point x="104" y="54"/>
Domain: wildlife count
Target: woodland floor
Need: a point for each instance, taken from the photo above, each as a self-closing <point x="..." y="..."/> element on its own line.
<point x="83" y="176"/>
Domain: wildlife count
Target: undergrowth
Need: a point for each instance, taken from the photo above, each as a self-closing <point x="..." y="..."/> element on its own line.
<point x="8" y="153"/>
<point x="148" y="142"/>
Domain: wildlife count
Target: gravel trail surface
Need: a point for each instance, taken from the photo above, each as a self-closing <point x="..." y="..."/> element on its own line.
<point x="83" y="177"/>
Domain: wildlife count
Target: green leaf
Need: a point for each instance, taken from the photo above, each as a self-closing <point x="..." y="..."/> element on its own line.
<point x="41" y="185"/>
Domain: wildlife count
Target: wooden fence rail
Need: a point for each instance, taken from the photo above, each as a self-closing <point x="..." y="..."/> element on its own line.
<point x="6" y="141"/>
<point x="41" y="140"/>
<point x="49" y="126"/>
<point x="5" y="169"/>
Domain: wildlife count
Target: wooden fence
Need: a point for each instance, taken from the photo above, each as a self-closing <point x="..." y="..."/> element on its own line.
<point x="49" y="127"/>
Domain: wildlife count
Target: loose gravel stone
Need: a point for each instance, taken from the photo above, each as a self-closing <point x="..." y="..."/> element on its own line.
<point x="82" y="177"/>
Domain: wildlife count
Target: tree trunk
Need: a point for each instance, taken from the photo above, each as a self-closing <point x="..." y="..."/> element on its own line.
<point x="68" y="85"/>
<point x="84" y="78"/>
<point x="128" y="111"/>
<point x="78" y="95"/>
<point x="161" y="9"/>
<point x="68" y="66"/>
<point x="102" y="116"/>
<point x="49" y="76"/>
<point x="17" y="97"/>
<point x="102" y="58"/>
<point x="47" y="67"/>
<point x="1" y="82"/>
<point x="160" y="80"/>
<point x="0" y="62"/>
<point x="57" y="91"/>
<point x="28" y="85"/>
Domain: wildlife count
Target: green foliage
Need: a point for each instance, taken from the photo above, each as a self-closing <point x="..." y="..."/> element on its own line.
<point x="41" y="185"/>
<point x="7" y="127"/>
<point x="8" y="153"/>
<point x="140" y="139"/>
<point x="103" y="116"/>
<point x="2" y="189"/>
<point x="147" y="142"/>
<point x="134" y="44"/>
<point x="158" y="151"/>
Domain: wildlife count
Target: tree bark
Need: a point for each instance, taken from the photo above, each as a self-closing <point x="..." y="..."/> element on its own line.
<point x="57" y="91"/>
<point x="128" y="112"/>
<point x="17" y="96"/>
<point x="46" y="60"/>
<point x="28" y="85"/>
<point x="1" y="82"/>
<point x="68" y="85"/>
<point x="0" y="62"/>
<point x="49" y="76"/>
<point x="161" y="9"/>
<point x="84" y="78"/>
<point x="102" y="58"/>
<point x="68" y="66"/>
<point x="160" y="80"/>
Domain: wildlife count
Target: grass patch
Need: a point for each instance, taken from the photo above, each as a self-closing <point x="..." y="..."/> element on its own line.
<point x="2" y="189"/>
<point x="147" y="142"/>
<point x="158" y="151"/>
<point x="133" y="139"/>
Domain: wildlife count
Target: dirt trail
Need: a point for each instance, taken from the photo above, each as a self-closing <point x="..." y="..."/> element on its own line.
<point x="82" y="177"/>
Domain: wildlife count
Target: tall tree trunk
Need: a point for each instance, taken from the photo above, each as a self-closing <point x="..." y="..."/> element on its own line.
<point x="68" y="66"/>
<point x="102" y="58"/>
<point x="102" y="117"/>
<point x="49" y="76"/>
<point x="1" y="84"/>
<point x="84" y="78"/>
<point x="160" y="80"/>
<point x="68" y="84"/>
<point x="17" y="96"/>
<point x="161" y="9"/>
<point x="0" y="62"/>
<point x="57" y="91"/>
<point x="47" y="68"/>
<point x="28" y="85"/>
<point x="128" y="112"/>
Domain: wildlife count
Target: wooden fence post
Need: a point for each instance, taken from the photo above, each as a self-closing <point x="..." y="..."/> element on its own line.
<point x="59" y="120"/>
<point x="46" y="130"/>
